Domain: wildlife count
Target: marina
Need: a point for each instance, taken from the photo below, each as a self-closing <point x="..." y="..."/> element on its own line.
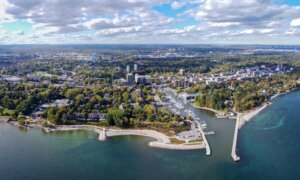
<point x="182" y="108"/>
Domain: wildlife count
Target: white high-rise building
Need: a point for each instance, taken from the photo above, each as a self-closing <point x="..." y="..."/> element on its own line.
<point x="128" y="69"/>
<point x="93" y="57"/>
<point x="135" y="67"/>
<point x="181" y="72"/>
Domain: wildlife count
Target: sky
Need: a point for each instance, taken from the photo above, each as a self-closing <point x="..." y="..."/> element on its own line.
<point x="150" y="22"/>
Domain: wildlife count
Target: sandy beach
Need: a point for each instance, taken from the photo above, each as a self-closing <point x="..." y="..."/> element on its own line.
<point x="161" y="138"/>
<point x="247" y="116"/>
<point x="208" y="109"/>
<point x="217" y="113"/>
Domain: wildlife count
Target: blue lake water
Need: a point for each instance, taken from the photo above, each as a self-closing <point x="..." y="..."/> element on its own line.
<point x="268" y="145"/>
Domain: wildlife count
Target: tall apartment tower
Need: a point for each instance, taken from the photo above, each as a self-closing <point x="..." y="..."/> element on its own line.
<point x="135" y="67"/>
<point x="128" y="69"/>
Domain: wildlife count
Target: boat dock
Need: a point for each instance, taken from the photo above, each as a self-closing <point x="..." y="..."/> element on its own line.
<point x="210" y="133"/>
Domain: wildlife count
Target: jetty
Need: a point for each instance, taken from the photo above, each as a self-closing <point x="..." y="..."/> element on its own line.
<point x="102" y="134"/>
<point x="234" y="156"/>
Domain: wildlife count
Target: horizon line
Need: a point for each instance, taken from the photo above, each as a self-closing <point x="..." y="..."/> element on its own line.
<point x="170" y="44"/>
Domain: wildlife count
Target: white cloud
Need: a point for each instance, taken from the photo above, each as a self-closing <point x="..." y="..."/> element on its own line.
<point x="245" y="12"/>
<point x="68" y="16"/>
<point x="256" y="31"/>
<point x="178" y="4"/>
<point x="295" y="23"/>
<point x="247" y="31"/>
<point x="46" y="31"/>
<point x="223" y="24"/>
<point x="104" y="23"/>
<point x="4" y="17"/>
<point x="293" y="32"/>
<point x="138" y="21"/>
<point x="2" y="31"/>
<point x="19" y="33"/>
<point x="118" y="31"/>
<point x="274" y="24"/>
<point x="70" y="12"/>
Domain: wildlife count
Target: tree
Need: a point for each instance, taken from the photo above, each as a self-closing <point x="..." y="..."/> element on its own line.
<point x="72" y="93"/>
<point x="27" y="106"/>
<point x="53" y="115"/>
<point x="115" y="117"/>
<point x="150" y="109"/>
<point x="79" y="99"/>
<point x="7" y="102"/>
<point x="125" y="96"/>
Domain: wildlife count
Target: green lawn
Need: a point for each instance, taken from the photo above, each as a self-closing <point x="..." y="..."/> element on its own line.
<point x="176" y="141"/>
<point x="196" y="141"/>
<point x="7" y="111"/>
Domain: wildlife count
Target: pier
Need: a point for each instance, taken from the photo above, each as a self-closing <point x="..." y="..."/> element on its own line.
<point x="234" y="156"/>
<point x="207" y="148"/>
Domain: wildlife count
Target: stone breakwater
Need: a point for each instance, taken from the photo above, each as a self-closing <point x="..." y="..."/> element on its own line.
<point x="234" y="156"/>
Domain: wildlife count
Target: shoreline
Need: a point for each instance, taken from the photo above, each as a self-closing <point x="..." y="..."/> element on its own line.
<point x="248" y="115"/>
<point x="208" y="109"/>
<point x="161" y="140"/>
<point x="218" y="114"/>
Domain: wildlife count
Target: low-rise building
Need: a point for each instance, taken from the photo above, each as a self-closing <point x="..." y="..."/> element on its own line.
<point x="181" y="83"/>
<point x="142" y="79"/>
<point x="130" y="78"/>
